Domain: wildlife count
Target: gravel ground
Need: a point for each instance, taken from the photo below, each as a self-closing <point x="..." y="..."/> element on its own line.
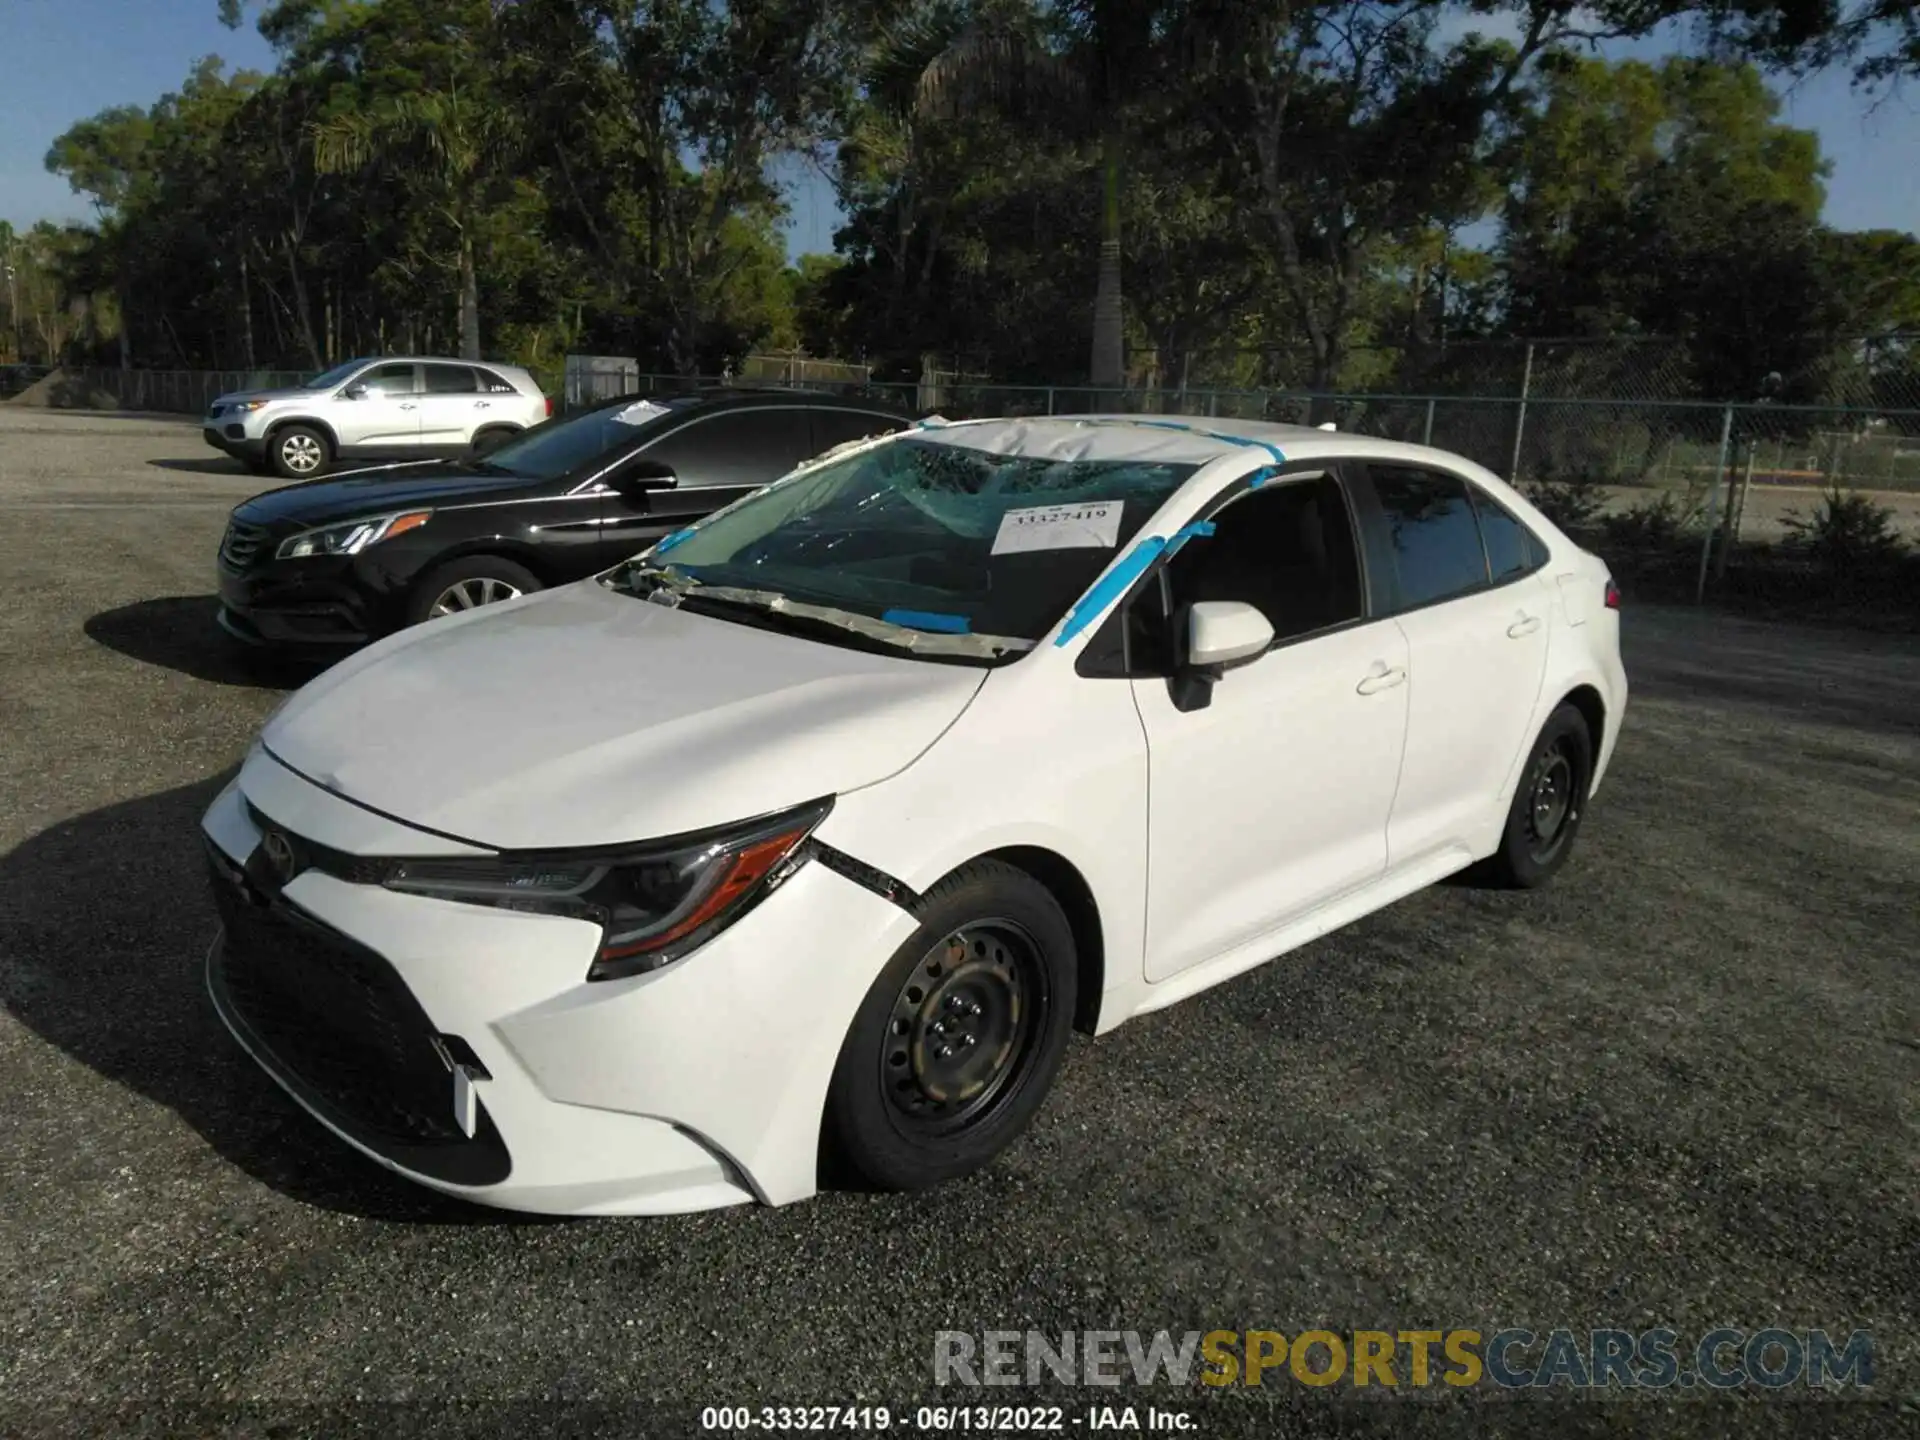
<point x="1677" y="1088"/>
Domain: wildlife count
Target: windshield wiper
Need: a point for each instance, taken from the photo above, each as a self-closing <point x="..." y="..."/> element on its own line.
<point x="885" y="633"/>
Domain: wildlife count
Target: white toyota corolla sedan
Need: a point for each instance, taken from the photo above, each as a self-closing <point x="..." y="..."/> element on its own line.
<point x="815" y="828"/>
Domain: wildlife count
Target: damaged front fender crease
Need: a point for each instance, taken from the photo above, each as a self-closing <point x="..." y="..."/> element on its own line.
<point x="868" y="877"/>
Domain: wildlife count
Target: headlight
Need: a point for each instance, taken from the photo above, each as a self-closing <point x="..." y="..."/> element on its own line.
<point x="351" y="537"/>
<point x="246" y="407"/>
<point x="653" y="903"/>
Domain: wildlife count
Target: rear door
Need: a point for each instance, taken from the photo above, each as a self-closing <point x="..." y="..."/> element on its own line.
<point x="452" y="403"/>
<point x="717" y="458"/>
<point x="383" y="415"/>
<point x="1476" y="632"/>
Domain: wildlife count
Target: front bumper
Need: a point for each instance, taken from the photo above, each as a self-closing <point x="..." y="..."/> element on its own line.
<point x="698" y="1086"/>
<point x="316" y="602"/>
<point x="231" y="437"/>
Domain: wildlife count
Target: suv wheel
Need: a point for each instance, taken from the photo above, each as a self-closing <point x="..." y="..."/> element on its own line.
<point x="299" y="452"/>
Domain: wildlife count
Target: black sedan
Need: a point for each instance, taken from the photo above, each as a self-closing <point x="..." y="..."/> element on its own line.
<point x="337" y="562"/>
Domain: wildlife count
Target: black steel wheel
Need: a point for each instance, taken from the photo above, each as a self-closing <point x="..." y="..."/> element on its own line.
<point x="959" y="1038"/>
<point x="1548" y="805"/>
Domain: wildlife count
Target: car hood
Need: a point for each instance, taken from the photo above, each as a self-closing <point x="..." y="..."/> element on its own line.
<point x="368" y="492"/>
<point x="585" y="717"/>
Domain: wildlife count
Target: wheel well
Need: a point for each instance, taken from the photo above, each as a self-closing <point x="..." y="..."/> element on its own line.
<point x="527" y="559"/>
<point x="1070" y="888"/>
<point x="1593" y="710"/>
<point x="499" y="427"/>
<point x="333" y="440"/>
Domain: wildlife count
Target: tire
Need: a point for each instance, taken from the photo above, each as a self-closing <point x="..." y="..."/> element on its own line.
<point x="485" y="442"/>
<point x="480" y="579"/>
<point x="1548" y="805"/>
<point x="299" y="452"/>
<point x="994" y="959"/>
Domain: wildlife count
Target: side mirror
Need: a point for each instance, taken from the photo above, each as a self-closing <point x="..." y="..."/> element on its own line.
<point x="1219" y="635"/>
<point x="1222" y="633"/>
<point x="356" y="391"/>
<point x="641" y="477"/>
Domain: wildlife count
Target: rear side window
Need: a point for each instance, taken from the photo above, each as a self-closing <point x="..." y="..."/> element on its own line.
<point x="737" y="447"/>
<point x="1512" y="549"/>
<point x="1431" y="534"/>
<point x="449" y="380"/>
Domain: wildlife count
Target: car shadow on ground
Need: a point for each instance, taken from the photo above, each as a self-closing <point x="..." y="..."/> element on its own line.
<point x="106" y="921"/>
<point x="208" y="466"/>
<point x="181" y="632"/>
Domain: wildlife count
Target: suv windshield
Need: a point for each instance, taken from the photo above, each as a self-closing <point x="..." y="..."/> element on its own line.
<point x="327" y="379"/>
<point x="925" y="535"/>
<point x="549" y="451"/>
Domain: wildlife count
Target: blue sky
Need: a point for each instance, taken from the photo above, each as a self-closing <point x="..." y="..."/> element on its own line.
<point x="61" y="60"/>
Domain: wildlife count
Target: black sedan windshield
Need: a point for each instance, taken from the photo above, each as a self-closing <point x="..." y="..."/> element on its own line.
<point x="559" y="447"/>
<point x="930" y="535"/>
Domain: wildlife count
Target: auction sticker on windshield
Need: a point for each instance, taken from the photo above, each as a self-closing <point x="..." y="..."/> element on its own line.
<point x="1059" y="527"/>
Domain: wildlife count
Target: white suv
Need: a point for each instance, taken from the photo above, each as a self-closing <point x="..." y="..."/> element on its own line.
<point x="390" y="408"/>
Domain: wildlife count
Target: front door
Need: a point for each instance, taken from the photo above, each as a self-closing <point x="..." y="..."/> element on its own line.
<point x="383" y="415"/>
<point x="1273" y="798"/>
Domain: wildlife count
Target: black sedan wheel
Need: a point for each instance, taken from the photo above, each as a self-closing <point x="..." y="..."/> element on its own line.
<point x="466" y="584"/>
<point x="959" y="1039"/>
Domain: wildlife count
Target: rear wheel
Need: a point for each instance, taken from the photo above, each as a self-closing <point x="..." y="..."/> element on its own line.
<point x="467" y="584"/>
<point x="299" y="452"/>
<point x="959" y="1039"/>
<point x="489" y="440"/>
<point x="1548" y="805"/>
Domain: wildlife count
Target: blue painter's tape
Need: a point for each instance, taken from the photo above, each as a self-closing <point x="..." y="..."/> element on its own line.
<point x="1269" y="447"/>
<point x="1199" y="529"/>
<point x="933" y="620"/>
<point x="1112" y="586"/>
<point x="666" y="543"/>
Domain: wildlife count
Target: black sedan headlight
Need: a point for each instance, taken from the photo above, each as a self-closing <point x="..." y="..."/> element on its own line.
<point x="653" y="903"/>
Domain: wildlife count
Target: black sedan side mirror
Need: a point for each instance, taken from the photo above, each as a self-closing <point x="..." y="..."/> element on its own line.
<point x="638" y="478"/>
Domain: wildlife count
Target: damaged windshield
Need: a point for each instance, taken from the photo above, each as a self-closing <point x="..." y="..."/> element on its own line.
<point x="936" y="547"/>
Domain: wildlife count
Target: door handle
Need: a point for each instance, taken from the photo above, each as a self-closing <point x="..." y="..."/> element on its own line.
<point x="480" y="404"/>
<point x="1525" y="625"/>
<point x="1381" y="678"/>
<point x="406" y="405"/>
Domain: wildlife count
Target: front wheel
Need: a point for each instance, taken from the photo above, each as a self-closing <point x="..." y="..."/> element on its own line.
<point x="467" y="584"/>
<point x="958" y="1041"/>
<point x="1548" y="805"/>
<point x="299" y="452"/>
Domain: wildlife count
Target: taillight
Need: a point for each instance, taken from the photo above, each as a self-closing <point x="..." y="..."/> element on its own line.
<point x="549" y="400"/>
<point x="1613" y="595"/>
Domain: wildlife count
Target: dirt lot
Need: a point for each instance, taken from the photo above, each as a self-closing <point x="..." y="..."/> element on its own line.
<point x="1680" y="1088"/>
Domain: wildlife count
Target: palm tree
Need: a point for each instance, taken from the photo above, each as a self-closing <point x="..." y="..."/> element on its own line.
<point x="942" y="62"/>
<point x="449" y="144"/>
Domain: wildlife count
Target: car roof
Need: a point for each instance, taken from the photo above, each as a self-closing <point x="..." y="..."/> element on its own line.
<point x="712" y="397"/>
<point x="432" y="360"/>
<point x="1168" y="439"/>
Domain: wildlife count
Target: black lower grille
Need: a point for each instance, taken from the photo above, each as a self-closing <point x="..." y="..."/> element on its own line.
<point x="338" y="1024"/>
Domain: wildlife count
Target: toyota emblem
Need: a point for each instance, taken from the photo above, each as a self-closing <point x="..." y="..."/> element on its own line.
<point x="279" y="853"/>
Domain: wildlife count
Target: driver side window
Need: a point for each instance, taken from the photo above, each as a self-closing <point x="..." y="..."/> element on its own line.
<point x="1287" y="550"/>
